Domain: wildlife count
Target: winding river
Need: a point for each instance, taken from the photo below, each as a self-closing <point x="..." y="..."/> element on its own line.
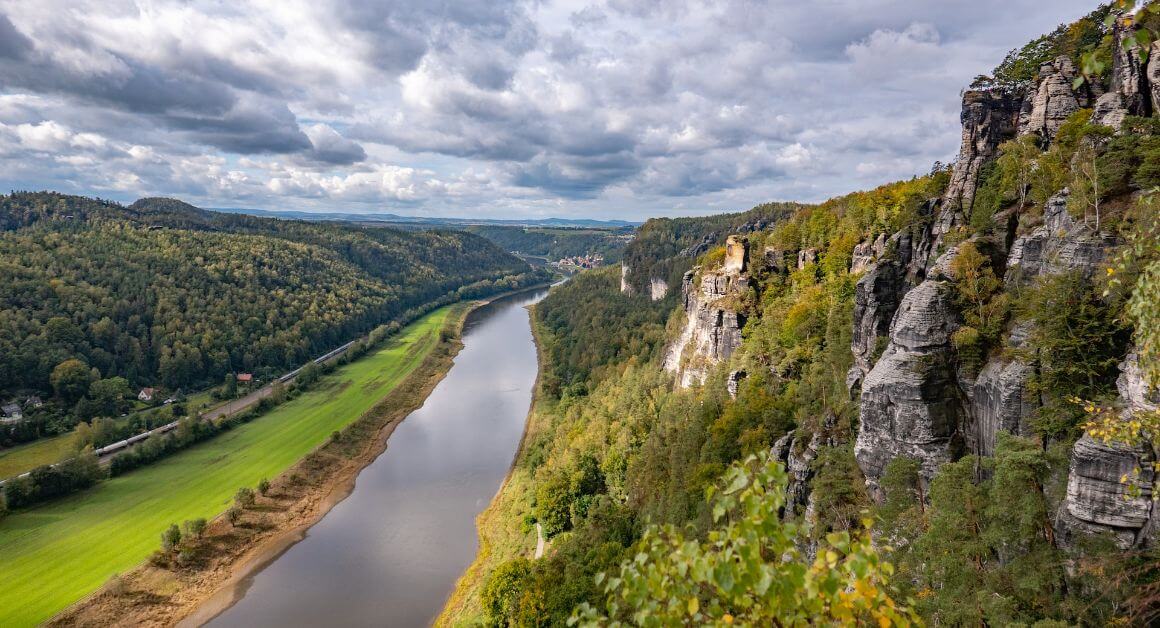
<point x="390" y="553"/>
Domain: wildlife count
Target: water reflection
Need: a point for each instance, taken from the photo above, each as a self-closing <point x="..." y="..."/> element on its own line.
<point x="390" y="553"/>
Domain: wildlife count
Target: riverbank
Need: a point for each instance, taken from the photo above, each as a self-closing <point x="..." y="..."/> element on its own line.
<point x="206" y="583"/>
<point x="503" y="527"/>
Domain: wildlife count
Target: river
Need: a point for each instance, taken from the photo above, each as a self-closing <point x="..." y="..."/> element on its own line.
<point x="390" y="553"/>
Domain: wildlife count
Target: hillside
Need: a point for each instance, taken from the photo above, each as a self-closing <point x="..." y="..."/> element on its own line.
<point x="964" y="362"/>
<point x="163" y="294"/>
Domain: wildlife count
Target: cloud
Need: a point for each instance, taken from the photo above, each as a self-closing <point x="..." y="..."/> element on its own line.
<point x="618" y="108"/>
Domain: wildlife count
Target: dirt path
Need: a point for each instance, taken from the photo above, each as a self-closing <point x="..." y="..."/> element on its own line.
<point x="539" y="540"/>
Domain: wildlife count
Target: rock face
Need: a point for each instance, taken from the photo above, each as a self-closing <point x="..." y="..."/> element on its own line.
<point x="1097" y="500"/>
<point x="911" y="404"/>
<point x="712" y="330"/>
<point x="735" y="251"/>
<point x="1061" y="244"/>
<point x="876" y="298"/>
<point x="1049" y="105"/>
<point x="1152" y="74"/>
<point x="1129" y="76"/>
<point x="989" y="118"/>
<point x="807" y="256"/>
<point x="1000" y="402"/>
<point x="657" y="289"/>
<point x="624" y="285"/>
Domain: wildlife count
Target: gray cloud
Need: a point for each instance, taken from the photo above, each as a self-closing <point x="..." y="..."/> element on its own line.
<point x="493" y="105"/>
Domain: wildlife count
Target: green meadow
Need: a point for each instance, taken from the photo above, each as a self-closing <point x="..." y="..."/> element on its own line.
<point x="53" y="555"/>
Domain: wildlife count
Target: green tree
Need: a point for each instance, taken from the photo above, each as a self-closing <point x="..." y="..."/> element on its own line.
<point x="748" y="571"/>
<point x="71" y="379"/>
<point x="170" y="538"/>
<point x="503" y="589"/>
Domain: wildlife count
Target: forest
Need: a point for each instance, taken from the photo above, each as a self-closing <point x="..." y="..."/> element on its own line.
<point x="556" y="242"/>
<point x="106" y="299"/>
<point x="687" y="506"/>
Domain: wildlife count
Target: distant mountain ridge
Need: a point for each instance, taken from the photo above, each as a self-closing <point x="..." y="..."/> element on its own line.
<point x="424" y="220"/>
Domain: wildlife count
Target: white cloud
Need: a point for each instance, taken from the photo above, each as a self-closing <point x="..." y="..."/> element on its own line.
<point x="605" y="107"/>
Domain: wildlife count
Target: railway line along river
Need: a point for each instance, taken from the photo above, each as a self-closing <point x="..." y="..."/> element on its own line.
<point x="390" y="553"/>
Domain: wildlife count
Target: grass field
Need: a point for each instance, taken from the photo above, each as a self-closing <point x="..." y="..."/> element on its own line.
<point x="21" y="458"/>
<point x="56" y="554"/>
<point x="17" y="460"/>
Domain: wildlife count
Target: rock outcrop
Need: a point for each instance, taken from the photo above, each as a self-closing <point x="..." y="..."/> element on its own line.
<point x="990" y="117"/>
<point x="624" y="285"/>
<point x="1062" y="244"/>
<point x="712" y="330"/>
<point x="1000" y="401"/>
<point x="1052" y="101"/>
<point x="876" y="298"/>
<point x="657" y="289"/>
<point x="1098" y="500"/>
<point x="911" y="404"/>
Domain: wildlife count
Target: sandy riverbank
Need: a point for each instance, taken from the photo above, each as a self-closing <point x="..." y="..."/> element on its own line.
<point x="227" y="556"/>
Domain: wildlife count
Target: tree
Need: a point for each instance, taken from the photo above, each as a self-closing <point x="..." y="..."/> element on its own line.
<point x="170" y="538"/>
<point x="71" y="379"/>
<point x="109" y="394"/>
<point x="1085" y="188"/>
<point x="1016" y="165"/>
<point x="244" y="498"/>
<point x="194" y="528"/>
<point x="503" y="589"/>
<point x="749" y="571"/>
<point x="264" y="486"/>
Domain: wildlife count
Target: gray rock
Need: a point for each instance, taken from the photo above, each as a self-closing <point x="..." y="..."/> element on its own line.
<point x="862" y="257"/>
<point x="1097" y="500"/>
<point x="1062" y="244"/>
<point x="989" y="118"/>
<point x="1110" y="111"/>
<point x="1129" y="76"/>
<point x="624" y="285"/>
<point x="733" y="382"/>
<point x="712" y="330"/>
<point x="1152" y="74"/>
<point x="911" y="404"/>
<point x="1000" y="402"/>
<point x="1052" y="102"/>
<point x="807" y="256"/>
<point x="657" y="289"/>
<point x="876" y="298"/>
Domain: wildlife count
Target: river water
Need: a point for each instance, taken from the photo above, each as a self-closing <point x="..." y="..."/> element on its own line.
<point x="390" y="553"/>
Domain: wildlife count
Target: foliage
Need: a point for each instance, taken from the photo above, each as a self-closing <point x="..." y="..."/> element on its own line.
<point x="983" y="551"/>
<point x="50" y="481"/>
<point x="1076" y="342"/>
<point x="603" y="327"/>
<point x="161" y="293"/>
<point x="748" y="571"/>
<point x="1021" y="66"/>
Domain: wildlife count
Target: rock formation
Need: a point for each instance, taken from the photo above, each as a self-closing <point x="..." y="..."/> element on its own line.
<point x="910" y="403"/>
<point x="1052" y="101"/>
<point x="990" y="117"/>
<point x="657" y="289"/>
<point x="1061" y="244"/>
<point x="1098" y="500"/>
<point x="876" y="298"/>
<point x="712" y="330"/>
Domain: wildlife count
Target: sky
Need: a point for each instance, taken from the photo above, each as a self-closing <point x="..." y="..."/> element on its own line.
<point x="499" y="108"/>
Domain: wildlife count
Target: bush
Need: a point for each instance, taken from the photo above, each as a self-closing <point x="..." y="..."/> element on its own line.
<point x="170" y="538"/>
<point x="194" y="528"/>
<point x="244" y="498"/>
<point x="264" y="486"/>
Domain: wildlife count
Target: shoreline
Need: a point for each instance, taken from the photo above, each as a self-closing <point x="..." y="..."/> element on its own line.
<point x="469" y="580"/>
<point x="150" y="595"/>
<point x="242" y="575"/>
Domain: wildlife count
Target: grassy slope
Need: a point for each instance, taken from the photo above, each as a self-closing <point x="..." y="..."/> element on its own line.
<point x="21" y="458"/>
<point x="54" y="555"/>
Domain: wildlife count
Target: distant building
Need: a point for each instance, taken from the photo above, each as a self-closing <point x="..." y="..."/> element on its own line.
<point x="33" y="402"/>
<point x="10" y="413"/>
<point x="146" y="394"/>
<point x="245" y="378"/>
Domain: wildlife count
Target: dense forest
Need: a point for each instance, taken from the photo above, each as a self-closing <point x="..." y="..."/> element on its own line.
<point x="664" y="248"/>
<point x="705" y="504"/>
<point x="556" y="242"/>
<point x="102" y="297"/>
